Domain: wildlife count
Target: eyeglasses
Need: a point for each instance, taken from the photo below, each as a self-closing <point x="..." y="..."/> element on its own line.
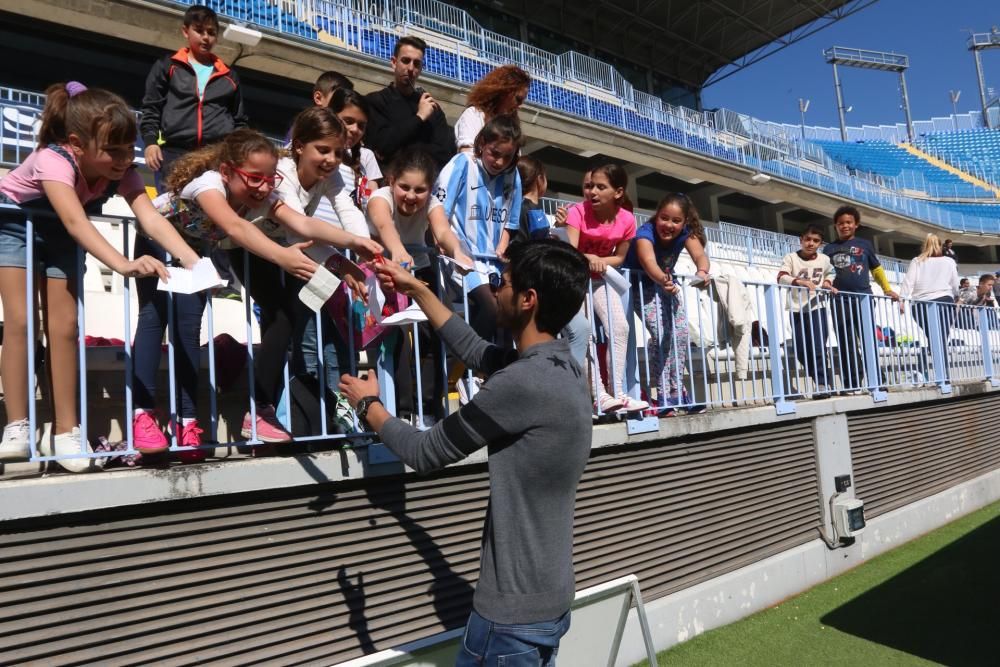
<point x="496" y="282"/>
<point x="254" y="181"/>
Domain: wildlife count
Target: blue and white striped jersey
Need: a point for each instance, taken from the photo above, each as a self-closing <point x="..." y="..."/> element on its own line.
<point x="479" y="206"/>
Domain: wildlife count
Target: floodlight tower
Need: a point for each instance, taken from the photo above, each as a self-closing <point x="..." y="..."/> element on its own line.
<point x="981" y="41"/>
<point x="877" y="60"/>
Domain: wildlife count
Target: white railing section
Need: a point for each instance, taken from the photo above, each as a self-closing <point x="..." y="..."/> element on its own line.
<point x="730" y="342"/>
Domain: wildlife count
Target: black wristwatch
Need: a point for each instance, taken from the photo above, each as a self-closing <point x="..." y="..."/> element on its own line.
<point x="363" y="405"/>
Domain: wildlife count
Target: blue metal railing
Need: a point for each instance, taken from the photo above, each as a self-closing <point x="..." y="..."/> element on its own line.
<point x="709" y="356"/>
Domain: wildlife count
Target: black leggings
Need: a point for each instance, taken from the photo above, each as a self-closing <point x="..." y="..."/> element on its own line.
<point x="277" y="295"/>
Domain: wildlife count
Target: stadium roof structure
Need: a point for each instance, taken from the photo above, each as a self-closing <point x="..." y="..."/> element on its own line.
<point x="694" y="42"/>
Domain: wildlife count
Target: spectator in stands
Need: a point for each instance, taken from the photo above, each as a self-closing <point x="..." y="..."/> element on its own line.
<point x="856" y="264"/>
<point x="481" y="194"/>
<point x="501" y="92"/>
<point x="985" y="292"/>
<point x="947" y="251"/>
<point x="86" y="144"/>
<point x="192" y="98"/>
<point x="931" y="278"/>
<point x="534" y="224"/>
<point x="403" y="114"/>
<point x="400" y="214"/>
<point x="326" y="84"/>
<point x="359" y="168"/>
<point x="533" y="417"/>
<point x="311" y="173"/>
<point x="603" y="233"/>
<point x="210" y="195"/>
<point x="807" y="268"/>
<point x="674" y="227"/>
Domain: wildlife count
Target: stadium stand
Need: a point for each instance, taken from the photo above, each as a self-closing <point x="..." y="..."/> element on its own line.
<point x="910" y="171"/>
<point x="975" y="151"/>
<point x="572" y="83"/>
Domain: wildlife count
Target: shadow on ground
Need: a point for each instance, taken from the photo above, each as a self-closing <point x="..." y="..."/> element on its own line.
<point x="946" y="608"/>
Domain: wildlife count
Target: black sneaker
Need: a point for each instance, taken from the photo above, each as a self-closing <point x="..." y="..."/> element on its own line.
<point x="229" y="293"/>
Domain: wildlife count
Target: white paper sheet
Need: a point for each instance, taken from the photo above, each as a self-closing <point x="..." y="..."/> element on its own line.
<point x="412" y="314"/>
<point x="183" y="281"/>
<point x="319" y="289"/>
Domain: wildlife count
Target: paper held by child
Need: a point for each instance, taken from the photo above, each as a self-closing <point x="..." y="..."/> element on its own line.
<point x="319" y="289"/>
<point x="464" y="268"/>
<point x="616" y="281"/>
<point x="184" y="281"/>
<point x="411" y="315"/>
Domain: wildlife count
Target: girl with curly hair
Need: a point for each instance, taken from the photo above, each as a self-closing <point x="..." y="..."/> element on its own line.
<point x="500" y="93"/>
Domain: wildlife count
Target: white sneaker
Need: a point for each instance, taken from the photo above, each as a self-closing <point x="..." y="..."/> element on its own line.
<point x="467" y="389"/>
<point x="15" y="445"/>
<point x="630" y="404"/>
<point x="68" y="444"/>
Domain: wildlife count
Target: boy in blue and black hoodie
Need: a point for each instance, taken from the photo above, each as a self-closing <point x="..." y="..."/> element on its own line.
<point x="856" y="264"/>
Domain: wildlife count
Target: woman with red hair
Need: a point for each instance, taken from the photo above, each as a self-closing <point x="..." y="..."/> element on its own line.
<point x="501" y="92"/>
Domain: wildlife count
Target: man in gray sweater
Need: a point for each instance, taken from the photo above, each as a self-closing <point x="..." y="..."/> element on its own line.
<point x="533" y="414"/>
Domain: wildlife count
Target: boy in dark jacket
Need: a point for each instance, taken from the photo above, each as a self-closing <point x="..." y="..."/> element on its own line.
<point x="192" y="98"/>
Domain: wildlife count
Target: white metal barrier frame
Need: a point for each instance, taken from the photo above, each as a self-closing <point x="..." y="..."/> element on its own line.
<point x="757" y="358"/>
<point x="595" y="611"/>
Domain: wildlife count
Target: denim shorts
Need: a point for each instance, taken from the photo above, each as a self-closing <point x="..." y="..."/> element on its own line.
<point x="55" y="251"/>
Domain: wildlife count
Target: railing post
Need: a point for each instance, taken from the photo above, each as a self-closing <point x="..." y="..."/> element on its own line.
<point x="869" y="348"/>
<point x="775" y="331"/>
<point x="984" y="335"/>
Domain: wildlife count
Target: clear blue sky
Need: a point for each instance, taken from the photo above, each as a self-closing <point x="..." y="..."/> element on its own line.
<point x="931" y="32"/>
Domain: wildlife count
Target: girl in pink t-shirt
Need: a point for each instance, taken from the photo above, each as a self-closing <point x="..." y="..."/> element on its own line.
<point x="603" y="232"/>
<point x="84" y="156"/>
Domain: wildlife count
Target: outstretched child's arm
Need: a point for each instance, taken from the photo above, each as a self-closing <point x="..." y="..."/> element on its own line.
<point x="246" y="235"/>
<point x="67" y="206"/>
<point x="445" y="236"/>
<point x="160" y="230"/>
<point x="381" y="217"/>
<point x="698" y="255"/>
<point x="316" y="229"/>
<point x="503" y="243"/>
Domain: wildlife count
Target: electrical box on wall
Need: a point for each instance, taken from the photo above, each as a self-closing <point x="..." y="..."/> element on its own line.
<point x="848" y="517"/>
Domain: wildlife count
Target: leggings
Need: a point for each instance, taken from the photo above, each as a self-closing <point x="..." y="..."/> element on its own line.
<point x="667" y="346"/>
<point x="186" y="334"/>
<point x="615" y="324"/>
<point x="277" y="295"/>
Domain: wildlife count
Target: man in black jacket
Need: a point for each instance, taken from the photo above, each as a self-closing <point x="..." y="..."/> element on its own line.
<point x="404" y="115"/>
<point x="192" y="98"/>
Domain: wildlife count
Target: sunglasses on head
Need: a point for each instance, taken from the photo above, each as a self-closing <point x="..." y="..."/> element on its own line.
<point x="496" y="282"/>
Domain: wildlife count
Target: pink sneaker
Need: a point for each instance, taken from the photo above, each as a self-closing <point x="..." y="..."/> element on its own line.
<point x="149" y="439"/>
<point x="191" y="437"/>
<point x="269" y="429"/>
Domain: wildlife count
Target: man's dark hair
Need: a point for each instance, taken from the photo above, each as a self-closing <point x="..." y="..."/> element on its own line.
<point x="557" y="272"/>
<point x="948" y="241"/>
<point x="986" y="277"/>
<point x="813" y="229"/>
<point x="409" y="40"/>
<point x="330" y="81"/>
<point x="847" y="209"/>
<point x="200" y="15"/>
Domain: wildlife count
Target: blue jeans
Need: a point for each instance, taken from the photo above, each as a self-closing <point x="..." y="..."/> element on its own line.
<point x="489" y="644"/>
<point x="305" y="342"/>
<point x="147" y="350"/>
<point x="577" y="332"/>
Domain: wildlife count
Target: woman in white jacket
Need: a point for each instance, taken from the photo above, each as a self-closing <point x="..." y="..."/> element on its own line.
<point x="931" y="282"/>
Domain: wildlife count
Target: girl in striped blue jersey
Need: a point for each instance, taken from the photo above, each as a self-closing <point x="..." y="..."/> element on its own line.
<point x="481" y="194"/>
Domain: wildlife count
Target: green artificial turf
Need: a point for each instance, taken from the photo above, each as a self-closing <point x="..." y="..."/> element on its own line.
<point x="935" y="600"/>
